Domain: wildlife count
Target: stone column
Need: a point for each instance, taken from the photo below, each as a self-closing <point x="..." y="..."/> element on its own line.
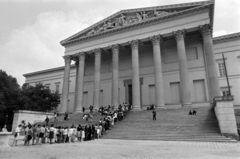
<point x="80" y="82"/>
<point x="115" y="59"/>
<point x="135" y="74"/>
<point x="159" y="97"/>
<point x="214" y="88"/>
<point x="97" y="78"/>
<point x="76" y="85"/>
<point x="65" y="88"/>
<point x="183" y="68"/>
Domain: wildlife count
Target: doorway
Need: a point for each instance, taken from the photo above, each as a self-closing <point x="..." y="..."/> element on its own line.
<point x="130" y="94"/>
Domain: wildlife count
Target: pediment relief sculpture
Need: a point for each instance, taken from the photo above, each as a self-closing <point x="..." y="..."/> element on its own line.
<point x="128" y="19"/>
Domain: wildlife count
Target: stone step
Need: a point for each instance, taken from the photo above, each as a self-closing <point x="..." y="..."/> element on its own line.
<point x="178" y="139"/>
<point x="174" y="125"/>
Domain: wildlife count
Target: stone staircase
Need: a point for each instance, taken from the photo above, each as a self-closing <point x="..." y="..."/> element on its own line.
<point x="74" y="119"/>
<point x="171" y="125"/>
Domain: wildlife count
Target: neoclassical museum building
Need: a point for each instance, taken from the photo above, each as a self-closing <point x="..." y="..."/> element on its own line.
<point x="163" y="55"/>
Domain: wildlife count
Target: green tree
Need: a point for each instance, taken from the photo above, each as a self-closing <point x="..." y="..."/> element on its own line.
<point x="12" y="97"/>
<point x="39" y="98"/>
<point x="9" y="93"/>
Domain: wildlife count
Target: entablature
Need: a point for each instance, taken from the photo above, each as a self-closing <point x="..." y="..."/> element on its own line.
<point x="129" y="19"/>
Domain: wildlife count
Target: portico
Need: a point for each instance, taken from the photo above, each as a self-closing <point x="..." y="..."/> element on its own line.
<point x="162" y="48"/>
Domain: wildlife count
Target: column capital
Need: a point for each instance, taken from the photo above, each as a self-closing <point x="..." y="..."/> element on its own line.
<point x="205" y="29"/>
<point x="67" y="59"/>
<point x="180" y="34"/>
<point x="134" y="44"/>
<point x="97" y="52"/>
<point x="115" y="48"/>
<point x="156" y="39"/>
<point x="81" y="56"/>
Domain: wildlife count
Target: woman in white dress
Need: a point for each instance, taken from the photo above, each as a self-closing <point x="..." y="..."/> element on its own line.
<point x="16" y="135"/>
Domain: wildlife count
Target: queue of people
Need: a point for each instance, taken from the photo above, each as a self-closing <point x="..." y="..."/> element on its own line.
<point x="42" y="134"/>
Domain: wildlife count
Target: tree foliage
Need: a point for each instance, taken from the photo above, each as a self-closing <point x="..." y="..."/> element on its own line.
<point x="39" y="98"/>
<point x="12" y="97"/>
<point x="9" y="93"/>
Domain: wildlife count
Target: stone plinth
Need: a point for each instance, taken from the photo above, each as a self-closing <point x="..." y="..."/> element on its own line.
<point x="29" y="116"/>
<point x="4" y="139"/>
<point x="224" y="111"/>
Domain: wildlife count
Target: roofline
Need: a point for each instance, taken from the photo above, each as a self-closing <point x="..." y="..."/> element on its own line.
<point x="153" y="20"/>
<point x="170" y="6"/>
<point x="47" y="70"/>
<point x="135" y="10"/>
<point x="227" y="37"/>
<point x="215" y="40"/>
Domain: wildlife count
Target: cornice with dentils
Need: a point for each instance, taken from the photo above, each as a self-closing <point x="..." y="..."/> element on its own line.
<point x="228" y="37"/>
<point x="146" y="22"/>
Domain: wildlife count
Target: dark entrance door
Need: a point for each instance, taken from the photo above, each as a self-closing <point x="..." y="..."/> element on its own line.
<point x="130" y="94"/>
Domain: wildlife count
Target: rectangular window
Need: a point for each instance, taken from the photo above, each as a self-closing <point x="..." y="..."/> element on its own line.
<point x="175" y="92"/>
<point x="152" y="94"/>
<point x="57" y="87"/>
<point x="192" y="53"/>
<point x="225" y="91"/>
<point x="199" y="90"/>
<point x="221" y="69"/>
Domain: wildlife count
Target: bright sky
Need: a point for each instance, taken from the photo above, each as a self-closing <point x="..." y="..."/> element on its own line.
<point x="32" y="29"/>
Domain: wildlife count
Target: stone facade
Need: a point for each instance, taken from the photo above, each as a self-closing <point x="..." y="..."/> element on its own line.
<point x="121" y="64"/>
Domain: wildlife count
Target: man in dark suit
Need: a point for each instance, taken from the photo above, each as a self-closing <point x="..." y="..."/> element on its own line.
<point x="154" y="114"/>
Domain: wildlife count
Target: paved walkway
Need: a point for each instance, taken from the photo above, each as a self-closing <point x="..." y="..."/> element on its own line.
<point x="113" y="149"/>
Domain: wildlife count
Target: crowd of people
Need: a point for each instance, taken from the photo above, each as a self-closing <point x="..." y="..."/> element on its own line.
<point x="38" y="134"/>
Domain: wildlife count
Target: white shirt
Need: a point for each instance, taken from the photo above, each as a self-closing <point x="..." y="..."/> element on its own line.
<point x="52" y="129"/>
<point x="70" y="131"/>
<point x="83" y="134"/>
<point x="17" y="130"/>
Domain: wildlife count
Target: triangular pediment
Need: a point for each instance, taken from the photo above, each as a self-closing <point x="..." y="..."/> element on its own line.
<point x="130" y="17"/>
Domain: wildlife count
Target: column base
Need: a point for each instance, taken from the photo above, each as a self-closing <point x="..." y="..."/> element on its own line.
<point x="77" y="111"/>
<point x="136" y="108"/>
<point x="187" y="105"/>
<point x="160" y="107"/>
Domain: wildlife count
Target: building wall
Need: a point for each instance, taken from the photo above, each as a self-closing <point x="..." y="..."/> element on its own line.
<point x="231" y="50"/>
<point x="169" y="56"/>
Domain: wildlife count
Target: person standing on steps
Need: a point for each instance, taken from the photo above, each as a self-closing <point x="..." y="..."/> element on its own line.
<point x="47" y="120"/>
<point x="91" y="108"/>
<point x="55" y="116"/>
<point x="83" y="109"/>
<point x="154" y="114"/>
